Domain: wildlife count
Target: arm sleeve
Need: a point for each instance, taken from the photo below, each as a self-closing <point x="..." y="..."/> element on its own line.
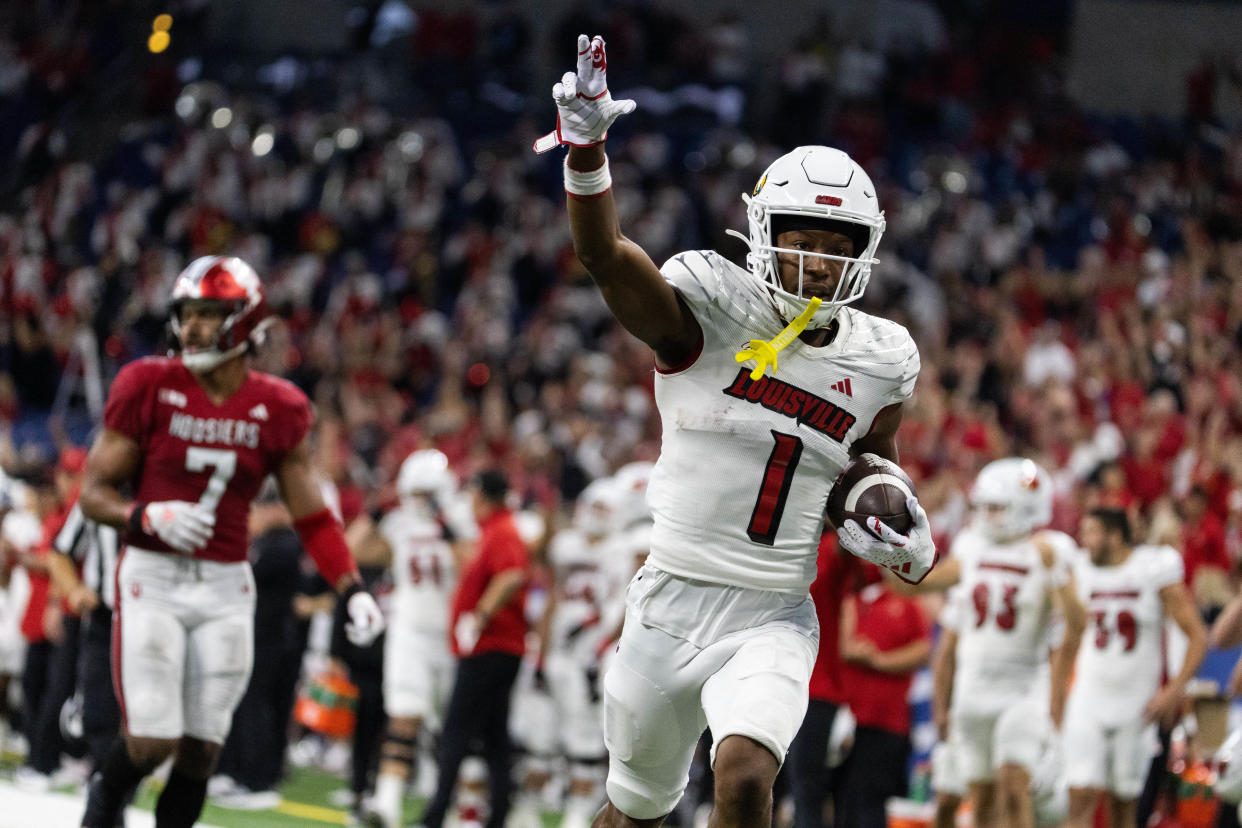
<point x="128" y="408"/>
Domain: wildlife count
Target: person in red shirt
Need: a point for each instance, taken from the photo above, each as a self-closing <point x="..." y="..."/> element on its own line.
<point x="1204" y="554"/>
<point x="811" y="779"/>
<point x="885" y="638"/>
<point x="489" y="638"/>
<point x="193" y="437"/>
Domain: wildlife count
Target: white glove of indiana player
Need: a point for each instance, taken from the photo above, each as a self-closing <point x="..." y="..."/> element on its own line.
<point x="584" y="107"/>
<point x="366" y="622"/>
<point x="909" y="557"/>
<point x="186" y="527"/>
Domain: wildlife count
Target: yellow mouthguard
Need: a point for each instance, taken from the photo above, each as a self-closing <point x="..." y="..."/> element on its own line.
<point x="764" y="353"/>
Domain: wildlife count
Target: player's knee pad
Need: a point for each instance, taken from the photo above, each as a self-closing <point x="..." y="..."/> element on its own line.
<point x="649" y="742"/>
<point x="641" y="724"/>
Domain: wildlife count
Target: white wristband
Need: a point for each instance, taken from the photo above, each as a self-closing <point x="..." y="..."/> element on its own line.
<point x="587" y="183"/>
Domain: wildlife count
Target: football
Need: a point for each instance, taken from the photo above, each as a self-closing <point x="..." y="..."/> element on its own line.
<point x="870" y="486"/>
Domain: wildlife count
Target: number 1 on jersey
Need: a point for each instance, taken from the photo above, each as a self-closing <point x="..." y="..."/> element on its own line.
<point x="765" y="519"/>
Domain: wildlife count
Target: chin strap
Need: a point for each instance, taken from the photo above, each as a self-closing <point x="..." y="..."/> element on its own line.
<point x="764" y="353"/>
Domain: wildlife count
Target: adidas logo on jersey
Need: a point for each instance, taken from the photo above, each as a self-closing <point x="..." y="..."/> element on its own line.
<point x="259" y="412"/>
<point x="842" y="387"/>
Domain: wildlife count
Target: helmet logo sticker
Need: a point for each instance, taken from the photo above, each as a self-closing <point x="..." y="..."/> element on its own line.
<point x="831" y="201"/>
<point x="219" y="283"/>
<point x="759" y="186"/>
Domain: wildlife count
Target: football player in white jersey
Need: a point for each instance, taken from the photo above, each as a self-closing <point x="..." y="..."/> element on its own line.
<point x="1110" y="730"/>
<point x="1008" y="693"/>
<point x="426" y="537"/>
<point x="720" y="630"/>
<point x="575" y="631"/>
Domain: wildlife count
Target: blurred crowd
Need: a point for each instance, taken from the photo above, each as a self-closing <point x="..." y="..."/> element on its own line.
<point x="1074" y="282"/>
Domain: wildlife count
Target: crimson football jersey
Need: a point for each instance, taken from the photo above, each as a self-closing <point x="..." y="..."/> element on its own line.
<point x="197" y="451"/>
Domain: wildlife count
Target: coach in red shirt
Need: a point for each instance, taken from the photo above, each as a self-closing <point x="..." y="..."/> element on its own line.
<point x="489" y="638"/>
<point x="885" y="639"/>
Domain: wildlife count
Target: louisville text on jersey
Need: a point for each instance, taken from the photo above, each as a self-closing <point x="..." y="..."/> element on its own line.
<point x="214" y="430"/>
<point x="783" y="398"/>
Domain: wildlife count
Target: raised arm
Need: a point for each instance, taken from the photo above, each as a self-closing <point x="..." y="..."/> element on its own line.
<point x="642" y="301"/>
<point x="636" y="293"/>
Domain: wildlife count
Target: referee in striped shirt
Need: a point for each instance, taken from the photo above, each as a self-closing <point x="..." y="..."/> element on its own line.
<point x="89" y="548"/>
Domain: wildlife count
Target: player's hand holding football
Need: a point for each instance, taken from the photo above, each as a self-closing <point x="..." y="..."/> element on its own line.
<point x="584" y="107"/>
<point x="366" y="622"/>
<point x="909" y="557"/>
<point x="186" y="527"/>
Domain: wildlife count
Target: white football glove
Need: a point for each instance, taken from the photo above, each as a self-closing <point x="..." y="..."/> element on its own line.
<point x="584" y="107"/>
<point x="366" y="622"/>
<point x="909" y="557"/>
<point x="466" y="633"/>
<point x="184" y="526"/>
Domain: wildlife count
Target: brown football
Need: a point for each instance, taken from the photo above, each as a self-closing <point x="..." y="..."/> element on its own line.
<point x="870" y="486"/>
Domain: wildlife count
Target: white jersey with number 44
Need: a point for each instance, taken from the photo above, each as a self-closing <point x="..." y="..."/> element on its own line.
<point x="423" y="571"/>
<point x="745" y="466"/>
<point x="1120" y="660"/>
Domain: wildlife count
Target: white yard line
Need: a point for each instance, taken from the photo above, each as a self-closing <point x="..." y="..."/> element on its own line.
<point x="23" y="809"/>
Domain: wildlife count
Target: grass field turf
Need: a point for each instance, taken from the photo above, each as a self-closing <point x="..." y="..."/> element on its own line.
<point x="307" y="796"/>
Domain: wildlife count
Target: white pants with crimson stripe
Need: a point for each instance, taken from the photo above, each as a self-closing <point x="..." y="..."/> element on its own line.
<point x="183" y="644"/>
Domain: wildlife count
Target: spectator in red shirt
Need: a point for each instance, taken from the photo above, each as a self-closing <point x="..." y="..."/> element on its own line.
<point x="1204" y="555"/>
<point x="811" y="779"/>
<point x="884" y="640"/>
<point x="489" y="637"/>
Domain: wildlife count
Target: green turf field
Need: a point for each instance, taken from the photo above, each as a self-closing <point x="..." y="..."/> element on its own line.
<point x="307" y="793"/>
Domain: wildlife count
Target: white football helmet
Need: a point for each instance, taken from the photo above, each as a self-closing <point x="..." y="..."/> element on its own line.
<point x="814" y="183"/>
<point x="425" y="472"/>
<point x="229" y="280"/>
<point x="1012" y="498"/>
<point x="595" y="511"/>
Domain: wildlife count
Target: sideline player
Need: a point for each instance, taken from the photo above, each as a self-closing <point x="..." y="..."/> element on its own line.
<point x="193" y="437"/>
<point x="1117" y="699"/>
<point x="425" y="540"/>
<point x="720" y="630"/>
<point x="1008" y="691"/>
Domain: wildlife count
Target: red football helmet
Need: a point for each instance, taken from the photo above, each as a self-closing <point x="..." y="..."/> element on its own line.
<point x="229" y="280"/>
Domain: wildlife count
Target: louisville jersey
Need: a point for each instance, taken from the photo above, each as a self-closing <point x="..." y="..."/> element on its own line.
<point x="196" y="451"/>
<point x="745" y="466"/>
<point x="1007" y="621"/>
<point x="424" y="572"/>
<point x="1120" y="661"/>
